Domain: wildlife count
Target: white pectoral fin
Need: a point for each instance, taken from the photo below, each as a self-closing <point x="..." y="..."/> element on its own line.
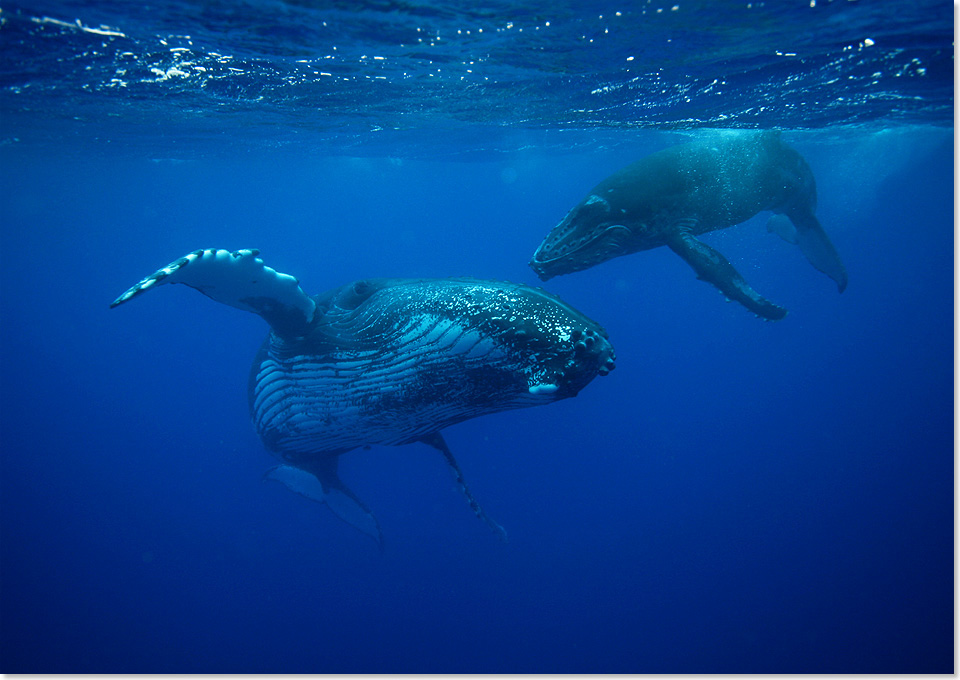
<point x="239" y="279"/>
<point x="297" y="480"/>
<point x="782" y="226"/>
<point x="321" y="484"/>
<point x="817" y="248"/>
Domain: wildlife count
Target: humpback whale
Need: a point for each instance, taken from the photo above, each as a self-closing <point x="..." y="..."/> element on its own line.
<point x="389" y="361"/>
<point x="674" y="195"/>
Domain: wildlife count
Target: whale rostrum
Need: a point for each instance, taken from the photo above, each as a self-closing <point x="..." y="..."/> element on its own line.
<point x="389" y="362"/>
<point x="672" y="196"/>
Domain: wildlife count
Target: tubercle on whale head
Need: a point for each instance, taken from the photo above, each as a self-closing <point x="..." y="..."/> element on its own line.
<point x="564" y="349"/>
<point x="592" y="350"/>
<point x="588" y="235"/>
<point x="557" y="349"/>
<point x="575" y="363"/>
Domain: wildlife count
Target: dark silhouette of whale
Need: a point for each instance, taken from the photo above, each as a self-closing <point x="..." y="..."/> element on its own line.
<point x="389" y="361"/>
<point x="670" y="197"/>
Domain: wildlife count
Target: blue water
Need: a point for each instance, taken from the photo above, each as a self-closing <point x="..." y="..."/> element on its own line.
<point x="737" y="496"/>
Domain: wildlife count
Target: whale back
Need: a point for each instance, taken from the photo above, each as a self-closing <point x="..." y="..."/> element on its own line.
<point x="391" y="361"/>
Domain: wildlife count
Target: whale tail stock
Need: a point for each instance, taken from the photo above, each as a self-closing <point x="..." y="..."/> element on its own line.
<point x="241" y="280"/>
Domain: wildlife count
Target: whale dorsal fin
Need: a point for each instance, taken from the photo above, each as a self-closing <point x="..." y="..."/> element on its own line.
<point x="437" y="441"/>
<point x="241" y="280"/>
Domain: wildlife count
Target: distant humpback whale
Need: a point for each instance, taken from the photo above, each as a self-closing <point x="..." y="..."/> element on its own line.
<point x="670" y="197"/>
<point x="389" y="361"/>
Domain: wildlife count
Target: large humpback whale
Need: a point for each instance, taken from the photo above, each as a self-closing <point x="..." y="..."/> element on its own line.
<point x="670" y="197"/>
<point x="389" y="361"/>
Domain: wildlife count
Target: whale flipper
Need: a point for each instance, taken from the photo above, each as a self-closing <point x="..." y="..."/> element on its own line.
<point x="711" y="266"/>
<point x="318" y="481"/>
<point x="781" y="225"/>
<point x="241" y="280"/>
<point x="437" y="441"/>
<point x="817" y="248"/>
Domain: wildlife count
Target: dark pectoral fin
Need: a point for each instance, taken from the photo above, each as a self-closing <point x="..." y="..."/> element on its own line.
<point x="714" y="268"/>
<point x="319" y="482"/>
<point x="817" y="248"/>
<point x="437" y="441"/>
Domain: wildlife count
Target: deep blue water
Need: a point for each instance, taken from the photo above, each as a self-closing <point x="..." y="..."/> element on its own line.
<point x="737" y="496"/>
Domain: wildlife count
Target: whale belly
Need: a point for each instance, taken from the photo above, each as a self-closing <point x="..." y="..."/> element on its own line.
<point x="435" y="373"/>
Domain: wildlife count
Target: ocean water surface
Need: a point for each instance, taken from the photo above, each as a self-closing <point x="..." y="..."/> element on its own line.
<point x="738" y="496"/>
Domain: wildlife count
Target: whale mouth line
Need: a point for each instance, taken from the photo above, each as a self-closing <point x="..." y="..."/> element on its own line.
<point x="583" y="243"/>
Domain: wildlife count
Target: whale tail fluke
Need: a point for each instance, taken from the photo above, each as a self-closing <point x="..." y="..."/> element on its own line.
<point x="817" y="248"/>
<point x="241" y="280"/>
<point x="318" y="481"/>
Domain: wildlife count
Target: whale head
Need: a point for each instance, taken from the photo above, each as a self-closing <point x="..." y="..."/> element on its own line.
<point x="591" y="233"/>
<point x="554" y="350"/>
